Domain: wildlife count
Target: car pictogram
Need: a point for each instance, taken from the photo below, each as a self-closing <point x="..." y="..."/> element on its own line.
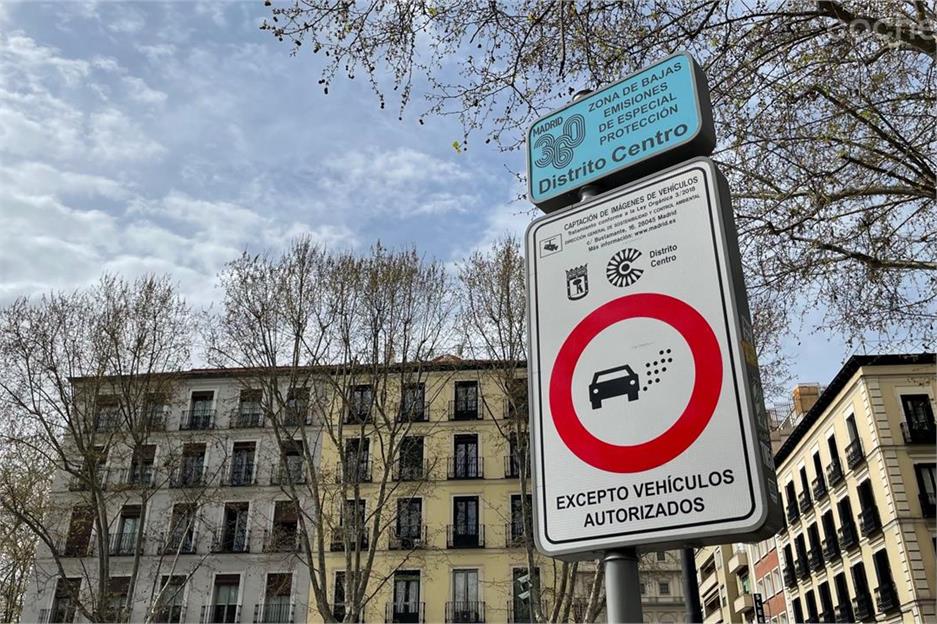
<point x="613" y="382"/>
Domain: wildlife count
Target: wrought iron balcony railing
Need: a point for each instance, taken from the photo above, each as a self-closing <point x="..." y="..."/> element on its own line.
<point x="854" y="453"/>
<point x="869" y="521"/>
<point x="407" y="537"/>
<point x="834" y="473"/>
<point x="471" y="612"/>
<point x="464" y="410"/>
<point x="918" y="432"/>
<point x="465" y="536"/>
<point x="466" y="468"/>
<point x="197" y="420"/>
<point x="405" y="612"/>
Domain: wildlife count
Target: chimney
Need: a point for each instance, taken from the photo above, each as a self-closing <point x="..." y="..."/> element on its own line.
<point x="804" y="396"/>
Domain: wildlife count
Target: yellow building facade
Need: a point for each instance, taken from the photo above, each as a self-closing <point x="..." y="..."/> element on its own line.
<point x="857" y="477"/>
<point x="453" y="549"/>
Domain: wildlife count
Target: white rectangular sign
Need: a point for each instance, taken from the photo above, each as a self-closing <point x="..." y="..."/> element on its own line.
<point x="647" y="420"/>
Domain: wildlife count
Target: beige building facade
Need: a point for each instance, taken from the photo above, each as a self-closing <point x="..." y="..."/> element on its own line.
<point x="857" y="478"/>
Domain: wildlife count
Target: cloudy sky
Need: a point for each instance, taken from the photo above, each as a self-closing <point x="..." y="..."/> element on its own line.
<point x="149" y="137"/>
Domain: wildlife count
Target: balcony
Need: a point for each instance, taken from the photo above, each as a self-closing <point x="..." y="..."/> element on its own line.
<point x="231" y="542"/>
<point x="410" y="470"/>
<point x="465" y="537"/>
<point x="239" y="476"/>
<point x="790" y="578"/>
<point x="225" y="613"/>
<point x="886" y="598"/>
<point x="107" y="421"/>
<point x="514" y="534"/>
<point x="287" y="474"/>
<point x="137" y="477"/>
<point x="847" y="537"/>
<point x="197" y="420"/>
<point x="123" y="544"/>
<point x="834" y="474"/>
<point x="465" y="611"/>
<point x="738" y="561"/>
<point x="744" y="603"/>
<point x="854" y="453"/>
<point x="513" y="410"/>
<point x="351" y="471"/>
<point x="60" y="614"/>
<point x="188" y="477"/>
<point x="80" y="483"/>
<point x="76" y="546"/>
<point x="463" y="410"/>
<point x="169" y="614"/>
<point x="181" y="542"/>
<point x="816" y="560"/>
<point x="284" y="539"/>
<point x="413" y="413"/>
<point x="831" y="549"/>
<point x="357" y="416"/>
<point x="295" y="416"/>
<point x="405" y="612"/>
<point x="819" y="488"/>
<point x="917" y="432"/>
<point x="407" y="537"/>
<point x="250" y="419"/>
<point x="862" y="607"/>
<point x="155" y="420"/>
<point x="827" y="616"/>
<point x="793" y="514"/>
<point x="337" y="543"/>
<point x="803" y="502"/>
<point x="928" y="504"/>
<point x="466" y="468"/>
<point x="843" y="613"/>
<point x="273" y="614"/>
<point x="869" y="521"/>
<point x="802" y="566"/>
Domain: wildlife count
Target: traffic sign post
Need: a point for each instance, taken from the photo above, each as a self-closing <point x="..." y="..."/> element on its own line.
<point x="647" y="121"/>
<point x="647" y="420"/>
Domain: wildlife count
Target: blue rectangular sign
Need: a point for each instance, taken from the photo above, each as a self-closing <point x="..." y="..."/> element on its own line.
<point x="651" y="119"/>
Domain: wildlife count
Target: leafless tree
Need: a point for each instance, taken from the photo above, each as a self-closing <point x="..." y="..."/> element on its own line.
<point x="85" y="375"/>
<point x="824" y="111"/>
<point x="493" y="324"/>
<point x="338" y="345"/>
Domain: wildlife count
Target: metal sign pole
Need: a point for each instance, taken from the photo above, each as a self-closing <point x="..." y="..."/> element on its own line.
<point x="694" y="612"/>
<point x="622" y="581"/>
<point x="622" y="587"/>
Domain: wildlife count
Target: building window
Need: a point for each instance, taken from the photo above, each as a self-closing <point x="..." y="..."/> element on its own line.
<point x="409" y="528"/>
<point x="643" y="589"/>
<point x="521" y="587"/>
<point x="224" y="607"/>
<point x="406" y="606"/>
<point x="201" y="414"/>
<point x="276" y="607"/>
<point x="664" y="588"/>
<point x="356" y="467"/>
<point x="292" y="463"/>
<point x="917" y="409"/>
<point x="465" y="529"/>
<point x="242" y="464"/>
<point x="78" y="541"/>
<point x="233" y="537"/>
<point x="661" y="555"/>
<point x="170" y="603"/>
<point x="66" y="597"/>
<point x="285" y="532"/>
<point x="465" y="406"/>
<point x="359" y="408"/>
<point x="124" y="540"/>
<point x="413" y="402"/>
<point x="465" y="463"/>
<point x="465" y="606"/>
<point x="249" y="412"/>
<point x="181" y="537"/>
<point x="410" y="467"/>
<point x="927" y="486"/>
<point x="338" y="596"/>
<point x="191" y="470"/>
<point x="518" y="523"/>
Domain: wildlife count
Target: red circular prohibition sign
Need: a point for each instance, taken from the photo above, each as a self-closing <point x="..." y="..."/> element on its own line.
<point x="707" y="361"/>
